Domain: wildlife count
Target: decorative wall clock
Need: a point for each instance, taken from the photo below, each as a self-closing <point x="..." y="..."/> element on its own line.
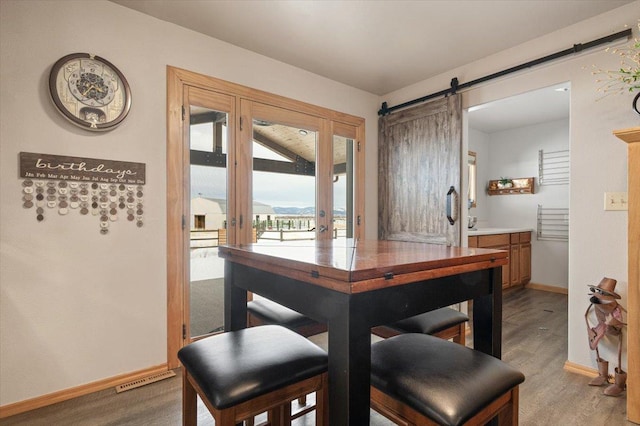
<point x="90" y="91"/>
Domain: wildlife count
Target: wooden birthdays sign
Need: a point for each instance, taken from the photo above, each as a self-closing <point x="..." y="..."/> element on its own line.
<point x="105" y="188"/>
<point x="58" y="167"/>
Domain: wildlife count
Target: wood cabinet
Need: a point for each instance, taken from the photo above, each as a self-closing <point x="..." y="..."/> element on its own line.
<point x="632" y="138"/>
<point x="518" y="244"/>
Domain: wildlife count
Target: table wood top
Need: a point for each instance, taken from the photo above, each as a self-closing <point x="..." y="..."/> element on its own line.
<point x="354" y="266"/>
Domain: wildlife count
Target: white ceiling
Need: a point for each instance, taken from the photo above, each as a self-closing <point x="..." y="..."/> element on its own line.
<point x="377" y="46"/>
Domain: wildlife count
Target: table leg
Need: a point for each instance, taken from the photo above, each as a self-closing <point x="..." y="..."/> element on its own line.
<point x="349" y="370"/>
<point x="235" y="301"/>
<point x="487" y="317"/>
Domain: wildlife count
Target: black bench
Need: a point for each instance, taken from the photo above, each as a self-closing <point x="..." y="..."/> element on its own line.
<point x="266" y="312"/>
<point x="243" y="373"/>
<point x="445" y="323"/>
<point x="418" y="379"/>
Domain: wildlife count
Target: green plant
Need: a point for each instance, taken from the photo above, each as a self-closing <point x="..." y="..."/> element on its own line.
<point x="627" y="77"/>
<point x="504" y="181"/>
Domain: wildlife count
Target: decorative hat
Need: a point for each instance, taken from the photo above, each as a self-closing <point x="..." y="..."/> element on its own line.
<point x="605" y="289"/>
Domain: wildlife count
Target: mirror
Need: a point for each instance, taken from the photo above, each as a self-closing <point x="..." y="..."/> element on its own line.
<point x="471" y="164"/>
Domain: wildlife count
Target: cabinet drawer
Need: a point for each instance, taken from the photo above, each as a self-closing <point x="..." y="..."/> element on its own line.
<point x="473" y="242"/>
<point x="493" y="240"/>
<point x="525" y="237"/>
<point x="515" y="238"/>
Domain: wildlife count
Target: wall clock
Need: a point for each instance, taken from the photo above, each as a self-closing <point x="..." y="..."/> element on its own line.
<point x="89" y="91"/>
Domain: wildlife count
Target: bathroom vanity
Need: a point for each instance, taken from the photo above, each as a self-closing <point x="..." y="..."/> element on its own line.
<point x="517" y="241"/>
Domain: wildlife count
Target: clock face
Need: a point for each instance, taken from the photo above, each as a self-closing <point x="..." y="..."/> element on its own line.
<point x="89" y="91"/>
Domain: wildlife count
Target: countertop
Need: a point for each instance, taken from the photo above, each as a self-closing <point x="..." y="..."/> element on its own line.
<point x="491" y="231"/>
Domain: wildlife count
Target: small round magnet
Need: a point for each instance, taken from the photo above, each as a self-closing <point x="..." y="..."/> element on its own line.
<point x="63" y="211"/>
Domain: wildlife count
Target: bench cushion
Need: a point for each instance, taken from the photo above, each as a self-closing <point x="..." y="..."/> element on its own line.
<point x="237" y="366"/>
<point x="445" y="381"/>
<point x="431" y="322"/>
<point x="270" y="312"/>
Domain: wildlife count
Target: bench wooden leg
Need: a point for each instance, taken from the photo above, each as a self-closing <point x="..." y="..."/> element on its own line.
<point x="322" y="402"/>
<point x="189" y="402"/>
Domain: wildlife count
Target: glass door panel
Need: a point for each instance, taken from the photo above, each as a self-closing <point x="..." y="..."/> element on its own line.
<point x="284" y="183"/>
<point x="342" y="187"/>
<point x="208" y="136"/>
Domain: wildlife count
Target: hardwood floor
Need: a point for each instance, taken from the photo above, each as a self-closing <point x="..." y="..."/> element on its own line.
<point x="534" y="340"/>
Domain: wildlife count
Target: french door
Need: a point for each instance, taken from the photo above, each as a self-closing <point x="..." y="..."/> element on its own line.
<point x="246" y="166"/>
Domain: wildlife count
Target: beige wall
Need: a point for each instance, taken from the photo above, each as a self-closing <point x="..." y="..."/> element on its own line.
<point x="77" y="306"/>
<point x="597" y="245"/>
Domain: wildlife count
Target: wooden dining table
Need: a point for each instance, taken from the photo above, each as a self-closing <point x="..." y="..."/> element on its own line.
<point x="354" y="285"/>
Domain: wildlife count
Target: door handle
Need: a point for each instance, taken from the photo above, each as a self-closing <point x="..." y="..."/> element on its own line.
<point x="450" y="216"/>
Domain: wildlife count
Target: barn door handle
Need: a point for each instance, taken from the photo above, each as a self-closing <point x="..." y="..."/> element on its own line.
<point x="450" y="216"/>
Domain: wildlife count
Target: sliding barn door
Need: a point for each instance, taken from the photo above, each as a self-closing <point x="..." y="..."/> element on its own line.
<point x="419" y="173"/>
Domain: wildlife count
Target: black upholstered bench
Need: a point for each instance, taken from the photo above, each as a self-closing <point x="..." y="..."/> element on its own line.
<point x="266" y="312"/>
<point x="243" y="373"/>
<point x="418" y="379"/>
<point x="445" y="323"/>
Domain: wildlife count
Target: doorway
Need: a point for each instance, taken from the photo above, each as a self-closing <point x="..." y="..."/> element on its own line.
<point x="238" y="161"/>
<point x="509" y="137"/>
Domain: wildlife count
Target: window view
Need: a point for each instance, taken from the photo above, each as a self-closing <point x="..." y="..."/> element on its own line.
<point x="284" y="183"/>
<point x="342" y="187"/>
<point x="208" y="222"/>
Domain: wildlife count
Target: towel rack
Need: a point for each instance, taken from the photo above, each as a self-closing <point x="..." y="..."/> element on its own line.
<point x="553" y="167"/>
<point x="553" y="223"/>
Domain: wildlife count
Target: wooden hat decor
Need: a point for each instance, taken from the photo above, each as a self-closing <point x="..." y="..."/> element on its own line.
<point x="605" y="289"/>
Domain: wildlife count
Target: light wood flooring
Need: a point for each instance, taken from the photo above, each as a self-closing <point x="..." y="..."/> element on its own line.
<point x="534" y="340"/>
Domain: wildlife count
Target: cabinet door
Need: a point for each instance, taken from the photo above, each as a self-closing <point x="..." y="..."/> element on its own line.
<point x="505" y="268"/>
<point x="525" y="263"/>
<point x="514" y="263"/>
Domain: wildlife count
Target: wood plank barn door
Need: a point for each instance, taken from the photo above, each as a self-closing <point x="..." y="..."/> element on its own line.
<point x="419" y="160"/>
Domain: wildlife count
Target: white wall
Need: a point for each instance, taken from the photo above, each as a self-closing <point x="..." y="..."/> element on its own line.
<point x="479" y="143"/>
<point x="597" y="245"/>
<point x="77" y="306"/>
<point x="514" y="153"/>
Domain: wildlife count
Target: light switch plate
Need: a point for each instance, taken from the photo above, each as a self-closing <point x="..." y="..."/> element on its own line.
<point x="616" y="201"/>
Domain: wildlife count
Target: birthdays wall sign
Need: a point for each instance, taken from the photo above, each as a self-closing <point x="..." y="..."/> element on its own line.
<point x="104" y="188"/>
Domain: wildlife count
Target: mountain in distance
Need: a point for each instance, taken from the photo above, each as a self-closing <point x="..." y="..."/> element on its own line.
<point x="305" y="211"/>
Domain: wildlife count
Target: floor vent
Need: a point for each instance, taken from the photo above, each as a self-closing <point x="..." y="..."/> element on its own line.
<point x="145" y="381"/>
